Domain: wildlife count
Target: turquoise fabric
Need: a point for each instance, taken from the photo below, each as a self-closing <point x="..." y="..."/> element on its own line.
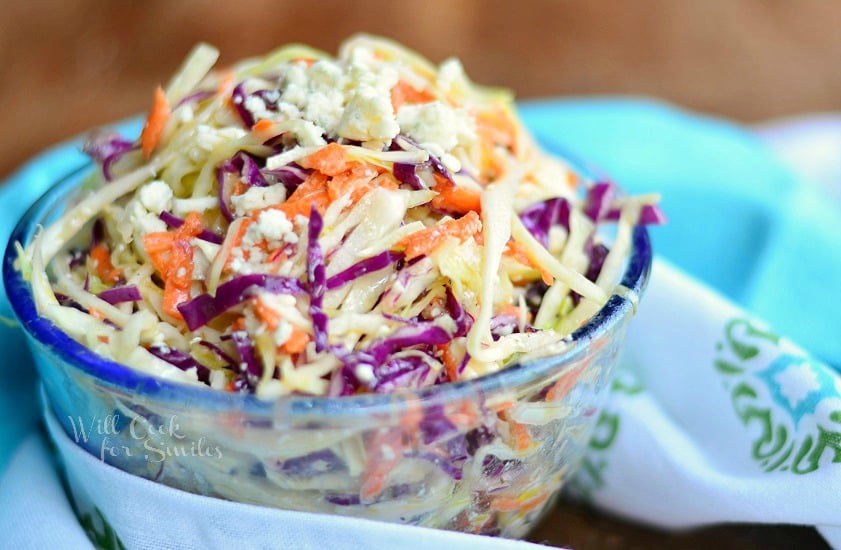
<point x="18" y="405"/>
<point x="738" y="220"/>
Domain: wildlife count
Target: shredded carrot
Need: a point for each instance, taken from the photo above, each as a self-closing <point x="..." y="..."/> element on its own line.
<point x="572" y="179"/>
<point x="312" y="191"/>
<point x="411" y="419"/>
<point x="172" y="255"/>
<point x="510" y="504"/>
<point x="404" y="92"/>
<point x="179" y="277"/>
<point x="454" y="198"/>
<point x="427" y="240"/>
<point x="504" y="406"/>
<point x="297" y="341"/>
<point x="237" y="238"/>
<point x="267" y="314"/>
<point x="358" y="181"/>
<point x="330" y="160"/>
<point x="226" y="85"/>
<point x="239" y="188"/>
<point x="95" y="313"/>
<point x="243" y="227"/>
<point x="564" y="384"/>
<point x="154" y="127"/>
<point x="519" y="253"/>
<point x="449" y="360"/>
<point x="158" y="241"/>
<point x="262" y="126"/>
<point x="466" y="414"/>
<point x="105" y="270"/>
<point x="495" y="127"/>
<point x="520" y="434"/>
<point x="307" y="61"/>
<point x="385" y="452"/>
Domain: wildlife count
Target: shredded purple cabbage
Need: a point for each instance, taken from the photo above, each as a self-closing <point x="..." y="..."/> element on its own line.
<point x="175" y="222"/>
<point x="463" y="319"/>
<point x="650" y="214"/>
<point x="201" y="95"/>
<point x="503" y="325"/>
<point x="457" y="448"/>
<point x="97" y="232"/>
<point x="343" y="499"/>
<point x="435" y="425"/>
<point x="204" y="308"/>
<point x="291" y="176"/>
<point x="238" y="97"/>
<point x="316" y="280"/>
<point x="77" y="258"/>
<point x="106" y="148"/>
<point x="540" y="217"/>
<point x="389" y="372"/>
<point x="250" y="370"/>
<point x="368" y="265"/>
<point x="183" y="361"/>
<point x="120" y="294"/>
<point x="246" y="169"/>
<point x="407" y="372"/>
<point x="478" y="438"/>
<point x="222" y="193"/>
<point x="319" y="462"/>
<point x="494" y="467"/>
<point x="405" y="337"/>
<point x="597" y="254"/>
<point x="352" y="499"/>
<point x="598" y="201"/>
<point x="218" y="351"/>
<point x="434" y="161"/>
<point x="407" y="173"/>
<point x="66" y="301"/>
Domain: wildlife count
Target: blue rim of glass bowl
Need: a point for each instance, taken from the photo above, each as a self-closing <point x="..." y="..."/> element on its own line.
<point x="129" y="380"/>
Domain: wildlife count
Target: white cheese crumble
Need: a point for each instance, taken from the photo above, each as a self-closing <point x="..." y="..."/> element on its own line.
<point x="208" y="138"/>
<point x="274" y="226"/>
<point x="350" y="99"/>
<point x="271" y="231"/>
<point x="156" y="196"/>
<point x="369" y="117"/>
<point x="141" y="220"/>
<point x="258" y="197"/>
<point x="436" y="123"/>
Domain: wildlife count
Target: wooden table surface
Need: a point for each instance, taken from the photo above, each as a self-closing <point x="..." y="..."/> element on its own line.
<point x="572" y="525"/>
<point x="66" y="66"/>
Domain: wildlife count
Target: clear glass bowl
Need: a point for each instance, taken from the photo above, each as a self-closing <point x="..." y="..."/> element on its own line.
<point x="384" y="457"/>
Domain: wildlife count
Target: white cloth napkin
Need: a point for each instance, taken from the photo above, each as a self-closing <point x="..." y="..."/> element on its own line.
<point x="713" y="418"/>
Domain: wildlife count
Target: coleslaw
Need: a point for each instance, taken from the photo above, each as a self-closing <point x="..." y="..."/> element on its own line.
<point x="299" y="224"/>
<point x="302" y="224"/>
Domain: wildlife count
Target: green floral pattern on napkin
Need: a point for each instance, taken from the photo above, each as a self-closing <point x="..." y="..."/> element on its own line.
<point x="795" y="400"/>
<point x="589" y="476"/>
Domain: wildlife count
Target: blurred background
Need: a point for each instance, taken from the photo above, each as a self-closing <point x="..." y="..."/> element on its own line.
<point x="68" y="65"/>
